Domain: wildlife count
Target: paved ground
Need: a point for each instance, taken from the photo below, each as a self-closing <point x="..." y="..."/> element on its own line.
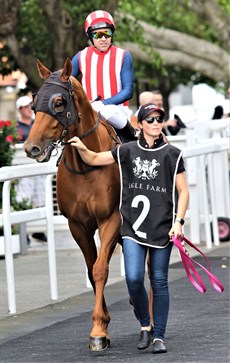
<point x="44" y="331"/>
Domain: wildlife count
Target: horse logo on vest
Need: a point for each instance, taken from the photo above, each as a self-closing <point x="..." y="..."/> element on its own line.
<point x="145" y="169"/>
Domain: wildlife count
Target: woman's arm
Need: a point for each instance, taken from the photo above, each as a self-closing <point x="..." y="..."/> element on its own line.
<point x="183" y="199"/>
<point x="91" y="157"/>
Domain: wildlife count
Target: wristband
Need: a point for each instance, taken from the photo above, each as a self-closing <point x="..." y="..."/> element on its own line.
<point x="180" y="220"/>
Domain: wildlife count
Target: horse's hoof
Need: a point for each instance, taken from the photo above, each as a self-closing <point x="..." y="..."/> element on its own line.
<point x="98" y="343"/>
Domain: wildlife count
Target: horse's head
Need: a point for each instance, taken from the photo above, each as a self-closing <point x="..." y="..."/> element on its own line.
<point x="55" y="111"/>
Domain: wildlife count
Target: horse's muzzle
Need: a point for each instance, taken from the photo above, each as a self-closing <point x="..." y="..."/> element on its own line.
<point x="40" y="156"/>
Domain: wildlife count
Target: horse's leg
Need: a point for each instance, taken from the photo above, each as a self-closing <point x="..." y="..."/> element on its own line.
<point x="150" y="295"/>
<point x="85" y="240"/>
<point x="151" y="305"/>
<point x="108" y="233"/>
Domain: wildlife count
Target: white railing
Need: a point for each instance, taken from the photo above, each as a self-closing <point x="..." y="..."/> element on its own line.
<point x="60" y="223"/>
<point x="207" y="172"/>
<point x="8" y="218"/>
<point x="199" y="158"/>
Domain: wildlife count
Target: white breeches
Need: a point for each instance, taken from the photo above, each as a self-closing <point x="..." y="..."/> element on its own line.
<point x="116" y="115"/>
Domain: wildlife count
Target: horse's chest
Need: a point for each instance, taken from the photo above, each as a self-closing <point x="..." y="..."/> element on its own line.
<point x="80" y="199"/>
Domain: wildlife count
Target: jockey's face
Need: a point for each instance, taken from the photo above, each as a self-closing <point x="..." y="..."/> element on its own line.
<point x="103" y="42"/>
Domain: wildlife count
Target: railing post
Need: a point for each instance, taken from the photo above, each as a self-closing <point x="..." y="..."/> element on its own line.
<point x="211" y="183"/>
<point x="8" y="247"/>
<point x="192" y="179"/>
<point x="204" y="201"/>
<point x="50" y="239"/>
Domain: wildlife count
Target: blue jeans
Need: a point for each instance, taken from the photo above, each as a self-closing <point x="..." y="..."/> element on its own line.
<point x="135" y="263"/>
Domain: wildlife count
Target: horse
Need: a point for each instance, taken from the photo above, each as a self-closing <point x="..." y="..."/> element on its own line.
<point x="87" y="196"/>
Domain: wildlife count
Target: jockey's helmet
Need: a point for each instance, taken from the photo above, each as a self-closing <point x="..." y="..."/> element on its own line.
<point x="99" y="19"/>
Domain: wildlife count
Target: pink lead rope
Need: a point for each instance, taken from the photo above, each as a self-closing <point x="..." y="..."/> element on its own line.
<point x="190" y="268"/>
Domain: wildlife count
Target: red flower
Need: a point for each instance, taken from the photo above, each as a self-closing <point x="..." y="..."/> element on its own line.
<point x="9" y="138"/>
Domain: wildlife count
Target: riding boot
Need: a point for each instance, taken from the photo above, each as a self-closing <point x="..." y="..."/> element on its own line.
<point x="129" y="132"/>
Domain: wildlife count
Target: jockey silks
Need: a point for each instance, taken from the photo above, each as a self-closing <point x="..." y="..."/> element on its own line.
<point x="101" y="72"/>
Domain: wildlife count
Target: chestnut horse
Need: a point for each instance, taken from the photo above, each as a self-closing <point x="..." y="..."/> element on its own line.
<point x="87" y="196"/>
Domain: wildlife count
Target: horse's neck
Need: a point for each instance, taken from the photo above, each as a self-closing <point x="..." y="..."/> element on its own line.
<point x="96" y="136"/>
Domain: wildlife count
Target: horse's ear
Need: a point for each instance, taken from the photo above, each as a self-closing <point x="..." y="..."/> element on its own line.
<point x="43" y="71"/>
<point x="67" y="70"/>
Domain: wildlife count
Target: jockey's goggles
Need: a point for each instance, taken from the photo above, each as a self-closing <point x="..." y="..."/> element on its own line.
<point x="100" y="34"/>
<point x="159" y="119"/>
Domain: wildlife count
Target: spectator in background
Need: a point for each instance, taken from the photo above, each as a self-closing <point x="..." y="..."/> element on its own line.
<point x="222" y="111"/>
<point x="172" y="125"/>
<point x="25" y="117"/>
<point x="145" y="97"/>
<point x="157" y="99"/>
<point x="29" y="188"/>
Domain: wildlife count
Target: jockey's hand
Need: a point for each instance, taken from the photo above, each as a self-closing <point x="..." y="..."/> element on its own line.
<point x="97" y="105"/>
<point x="75" y="141"/>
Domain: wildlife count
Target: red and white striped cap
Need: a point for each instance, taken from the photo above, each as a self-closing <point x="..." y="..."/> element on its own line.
<point x="99" y="19"/>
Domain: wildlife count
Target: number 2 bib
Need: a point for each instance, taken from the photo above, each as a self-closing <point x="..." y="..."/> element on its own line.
<point x="148" y="192"/>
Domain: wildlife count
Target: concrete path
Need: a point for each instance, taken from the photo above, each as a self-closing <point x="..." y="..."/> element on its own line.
<point x="44" y="331"/>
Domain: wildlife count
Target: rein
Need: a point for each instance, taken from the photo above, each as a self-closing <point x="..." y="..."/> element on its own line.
<point x="87" y="133"/>
<point x="90" y="168"/>
<point x="190" y="269"/>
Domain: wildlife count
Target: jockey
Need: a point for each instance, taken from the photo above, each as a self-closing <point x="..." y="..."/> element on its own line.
<point x="106" y="72"/>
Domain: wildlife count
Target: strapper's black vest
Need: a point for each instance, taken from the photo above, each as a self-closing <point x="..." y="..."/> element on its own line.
<point x="148" y="192"/>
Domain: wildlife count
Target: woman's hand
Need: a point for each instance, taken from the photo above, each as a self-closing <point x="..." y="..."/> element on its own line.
<point x="176" y="230"/>
<point x="75" y="141"/>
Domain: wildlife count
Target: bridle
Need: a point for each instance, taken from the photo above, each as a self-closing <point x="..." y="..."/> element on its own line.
<point x="90" y="168"/>
<point x="45" y="96"/>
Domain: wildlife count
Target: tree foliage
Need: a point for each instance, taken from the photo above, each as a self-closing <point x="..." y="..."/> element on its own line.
<point x="171" y="41"/>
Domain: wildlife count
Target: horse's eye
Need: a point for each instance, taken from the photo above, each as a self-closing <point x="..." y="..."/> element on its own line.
<point x="58" y="105"/>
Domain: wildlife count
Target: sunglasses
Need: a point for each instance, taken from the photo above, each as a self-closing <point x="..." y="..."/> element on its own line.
<point x="98" y="35"/>
<point x="159" y="119"/>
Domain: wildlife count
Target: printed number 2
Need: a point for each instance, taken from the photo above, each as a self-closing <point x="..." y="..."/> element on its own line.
<point x="142" y="216"/>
